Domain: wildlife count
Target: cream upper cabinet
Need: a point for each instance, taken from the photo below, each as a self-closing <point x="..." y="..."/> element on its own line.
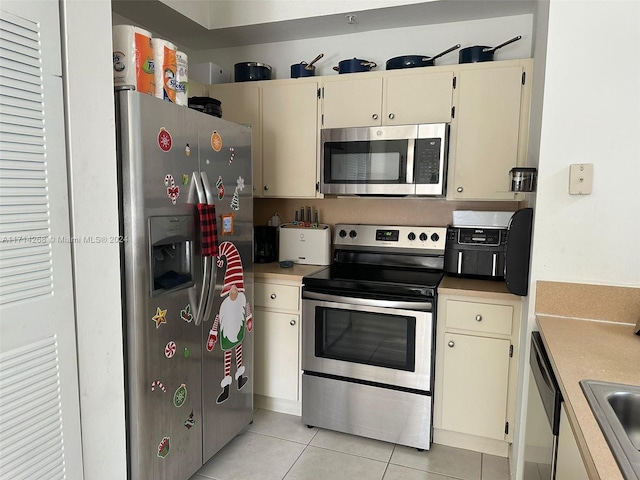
<point x="289" y="138"/>
<point x="352" y="100"/>
<point x="241" y="104"/>
<point x="393" y="98"/>
<point x="283" y="115"/>
<point x="412" y="98"/>
<point x="489" y="131"/>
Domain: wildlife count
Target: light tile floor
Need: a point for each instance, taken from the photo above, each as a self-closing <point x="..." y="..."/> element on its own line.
<point x="279" y="447"/>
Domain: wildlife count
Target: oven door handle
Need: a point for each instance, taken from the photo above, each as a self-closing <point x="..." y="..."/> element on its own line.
<point x="423" y="306"/>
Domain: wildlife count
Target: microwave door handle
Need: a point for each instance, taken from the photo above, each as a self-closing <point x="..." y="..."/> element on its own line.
<point x="494" y="266"/>
<point x="411" y="148"/>
<point x="459" y="263"/>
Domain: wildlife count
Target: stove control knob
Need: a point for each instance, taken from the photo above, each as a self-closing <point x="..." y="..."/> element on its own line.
<point x="353" y="234"/>
<point x="342" y="234"/>
<point x="411" y="236"/>
<point x="435" y="237"/>
<point x="423" y="237"/>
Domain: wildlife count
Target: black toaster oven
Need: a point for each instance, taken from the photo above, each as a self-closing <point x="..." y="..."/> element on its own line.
<point x="492" y="252"/>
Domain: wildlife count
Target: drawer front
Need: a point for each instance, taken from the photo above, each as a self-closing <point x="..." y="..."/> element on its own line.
<point x="480" y="317"/>
<point x="273" y="295"/>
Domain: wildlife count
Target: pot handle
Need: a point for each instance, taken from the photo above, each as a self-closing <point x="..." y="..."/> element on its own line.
<point x="491" y="50"/>
<point x="310" y="65"/>
<point x="455" y="47"/>
<point x="369" y="64"/>
<point x="337" y="69"/>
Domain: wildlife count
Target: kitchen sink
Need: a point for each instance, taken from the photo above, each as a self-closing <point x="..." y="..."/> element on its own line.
<point x="617" y="409"/>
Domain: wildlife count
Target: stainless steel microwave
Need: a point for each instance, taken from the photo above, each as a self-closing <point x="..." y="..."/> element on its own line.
<point x="386" y="160"/>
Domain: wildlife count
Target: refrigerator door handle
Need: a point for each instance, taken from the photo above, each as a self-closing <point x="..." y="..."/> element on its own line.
<point x="207" y="188"/>
<point x="207" y="263"/>
<point x="195" y="180"/>
<point x="212" y="275"/>
<point x="204" y="294"/>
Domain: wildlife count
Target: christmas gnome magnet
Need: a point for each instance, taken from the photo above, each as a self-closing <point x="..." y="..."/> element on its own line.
<point x="232" y="320"/>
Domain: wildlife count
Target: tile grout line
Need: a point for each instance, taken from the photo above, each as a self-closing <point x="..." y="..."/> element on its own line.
<point x="298" y="457"/>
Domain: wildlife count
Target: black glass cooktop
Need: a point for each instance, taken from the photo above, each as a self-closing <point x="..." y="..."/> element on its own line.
<point x="350" y="279"/>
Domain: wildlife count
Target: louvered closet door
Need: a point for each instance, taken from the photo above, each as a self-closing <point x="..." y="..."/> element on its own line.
<point x="39" y="402"/>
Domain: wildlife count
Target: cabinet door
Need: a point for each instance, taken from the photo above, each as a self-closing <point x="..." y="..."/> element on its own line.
<point x="418" y="98"/>
<point x="289" y="139"/>
<point x="241" y="104"/>
<point x="486" y="132"/>
<point x="352" y="102"/>
<point x="475" y="381"/>
<point x="276" y="366"/>
<point x="569" y="464"/>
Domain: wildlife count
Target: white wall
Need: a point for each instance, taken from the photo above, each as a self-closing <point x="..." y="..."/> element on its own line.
<point x="591" y="114"/>
<point x="586" y="110"/>
<point x="89" y="101"/>
<point x="380" y="45"/>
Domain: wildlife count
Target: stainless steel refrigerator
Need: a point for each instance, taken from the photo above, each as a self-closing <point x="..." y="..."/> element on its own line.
<point x="186" y="235"/>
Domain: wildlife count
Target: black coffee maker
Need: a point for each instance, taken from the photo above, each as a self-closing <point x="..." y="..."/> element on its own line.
<point x="265" y="243"/>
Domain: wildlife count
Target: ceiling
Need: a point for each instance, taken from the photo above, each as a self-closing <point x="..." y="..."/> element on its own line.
<point x="163" y="20"/>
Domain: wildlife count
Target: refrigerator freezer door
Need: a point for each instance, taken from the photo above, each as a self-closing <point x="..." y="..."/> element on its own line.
<point x="225" y="160"/>
<point x="158" y="152"/>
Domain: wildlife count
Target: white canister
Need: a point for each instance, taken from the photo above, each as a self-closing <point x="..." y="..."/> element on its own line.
<point x="165" y="69"/>
<point x="133" y="58"/>
<point x="182" y="79"/>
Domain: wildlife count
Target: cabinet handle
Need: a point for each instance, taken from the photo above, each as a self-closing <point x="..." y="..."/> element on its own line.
<point x="459" y="189"/>
<point x="451" y="343"/>
<point x="292" y="322"/>
<point x="273" y="296"/>
<point x="374" y="116"/>
<point x="478" y="318"/>
<point x="391" y="116"/>
<point x="266" y="187"/>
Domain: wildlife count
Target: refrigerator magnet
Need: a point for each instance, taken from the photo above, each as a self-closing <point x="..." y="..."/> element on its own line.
<point x="190" y="422"/>
<point x="160" y="317"/>
<point x="185" y="313"/>
<point x="163" y="447"/>
<point x="187" y="352"/>
<point x="164" y="140"/>
<point x="220" y="186"/>
<point x="232" y="154"/>
<point x="185" y="179"/>
<point x="187" y="150"/>
<point x="158" y="383"/>
<point x="227" y="224"/>
<point x="173" y="191"/>
<point x="170" y="349"/>
<point x="216" y="141"/>
<point x="180" y="396"/>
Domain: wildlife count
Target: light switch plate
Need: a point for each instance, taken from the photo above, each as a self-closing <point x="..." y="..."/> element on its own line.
<point x="580" y="178"/>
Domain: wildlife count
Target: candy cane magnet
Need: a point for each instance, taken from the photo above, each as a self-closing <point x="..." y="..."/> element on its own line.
<point x="158" y="384"/>
<point x="173" y="191"/>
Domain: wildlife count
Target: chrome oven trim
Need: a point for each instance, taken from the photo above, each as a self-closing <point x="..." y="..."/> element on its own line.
<point x="420" y="379"/>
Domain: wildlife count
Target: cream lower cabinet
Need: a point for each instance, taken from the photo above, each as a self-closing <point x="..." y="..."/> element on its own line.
<point x="476" y="371"/>
<point x="569" y="464"/>
<point x="277" y="381"/>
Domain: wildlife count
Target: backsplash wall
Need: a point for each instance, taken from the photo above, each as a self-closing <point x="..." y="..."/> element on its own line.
<point x="387" y="211"/>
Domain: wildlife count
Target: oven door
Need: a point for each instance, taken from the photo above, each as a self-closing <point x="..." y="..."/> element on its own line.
<point x="377" y="341"/>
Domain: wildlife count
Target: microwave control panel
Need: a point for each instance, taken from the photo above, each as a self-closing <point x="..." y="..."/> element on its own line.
<point x="427" y="160"/>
